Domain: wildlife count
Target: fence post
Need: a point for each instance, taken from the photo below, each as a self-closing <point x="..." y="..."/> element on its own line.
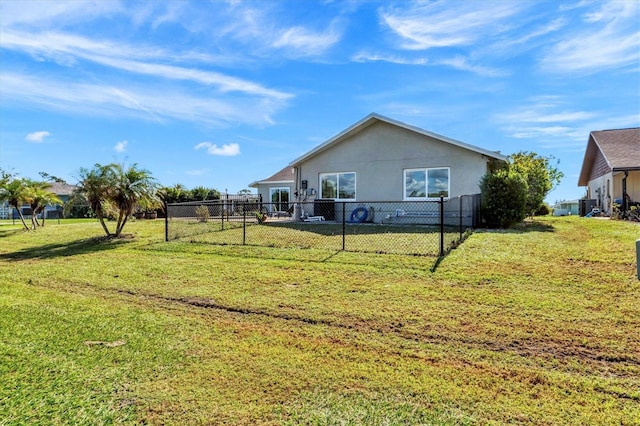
<point x="344" y="203"/>
<point x="441" y="226"/>
<point x="460" y="215"/>
<point x="166" y="221"/>
<point x="221" y="203"/>
<point x="244" y="224"/>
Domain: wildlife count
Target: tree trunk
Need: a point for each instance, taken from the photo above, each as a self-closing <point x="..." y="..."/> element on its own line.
<point x="104" y="225"/>
<point x="21" y="218"/>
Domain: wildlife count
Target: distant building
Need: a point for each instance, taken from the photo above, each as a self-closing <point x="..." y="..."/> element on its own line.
<point x="611" y="168"/>
<point x="566" y="208"/>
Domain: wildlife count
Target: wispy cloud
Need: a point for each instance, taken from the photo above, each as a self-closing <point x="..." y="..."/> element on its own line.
<point x="303" y="41"/>
<point x="226" y="150"/>
<point x="462" y="63"/>
<point x="121" y="146"/>
<point x="545" y="120"/>
<point x="609" y="38"/>
<point x="37" y="137"/>
<point x="126" y="99"/>
<point x="430" y="25"/>
<point x="67" y="49"/>
<point x="394" y="59"/>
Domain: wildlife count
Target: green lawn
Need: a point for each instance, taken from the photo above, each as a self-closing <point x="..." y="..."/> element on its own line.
<point x="537" y="325"/>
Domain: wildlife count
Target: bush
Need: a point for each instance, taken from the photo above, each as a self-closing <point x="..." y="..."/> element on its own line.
<point x="202" y="213"/>
<point x="543" y="210"/>
<point x="504" y="198"/>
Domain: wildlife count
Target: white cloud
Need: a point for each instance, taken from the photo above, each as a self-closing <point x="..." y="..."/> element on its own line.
<point x="445" y="23"/>
<point x="609" y="37"/>
<point x="461" y="63"/>
<point x="546" y="120"/>
<point x="394" y="59"/>
<point x="110" y="100"/>
<point x="305" y="42"/>
<point x="66" y="49"/>
<point x="37" y="137"/>
<point x="121" y="146"/>
<point x="226" y="150"/>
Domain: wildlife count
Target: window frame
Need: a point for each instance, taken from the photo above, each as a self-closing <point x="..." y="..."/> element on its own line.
<point x="321" y="177"/>
<point x="426" y="171"/>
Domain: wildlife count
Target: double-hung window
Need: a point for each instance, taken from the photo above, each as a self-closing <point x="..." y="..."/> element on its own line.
<point x="423" y="184"/>
<point x="339" y="186"/>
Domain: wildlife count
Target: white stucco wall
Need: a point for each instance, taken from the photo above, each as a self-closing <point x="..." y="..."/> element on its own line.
<point x="380" y="153"/>
<point x="610" y="188"/>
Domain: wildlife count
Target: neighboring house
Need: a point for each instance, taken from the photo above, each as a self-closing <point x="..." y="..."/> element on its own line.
<point x="566" y="208"/>
<point x="381" y="159"/>
<point x="278" y="191"/>
<point x="62" y="190"/>
<point x="611" y="167"/>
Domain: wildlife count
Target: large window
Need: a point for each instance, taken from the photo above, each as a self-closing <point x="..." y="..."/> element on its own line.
<point x="426" y="183"/>
<point x="279" y="199"/>
<point x="339" y="186"/>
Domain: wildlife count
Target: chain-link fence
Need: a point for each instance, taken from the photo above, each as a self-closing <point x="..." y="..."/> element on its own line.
<point x="409" y="227"/>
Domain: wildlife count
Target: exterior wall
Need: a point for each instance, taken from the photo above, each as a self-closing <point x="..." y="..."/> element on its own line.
<point x="633" y="185"/>
<point x="601" y="190"/>
<point x="610" y="189"/>
<point x="379" y="155"/>
<point x="600" y="166"/>
<point x="264" y="190"/>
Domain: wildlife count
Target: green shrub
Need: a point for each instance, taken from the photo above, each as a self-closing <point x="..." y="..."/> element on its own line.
<point x="504" y="198"/>
<point x="543" y="210"/>
<point x="202" y="213"/>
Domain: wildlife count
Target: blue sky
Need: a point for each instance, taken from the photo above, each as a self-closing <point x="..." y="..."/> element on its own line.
<point x="223" y="93"/>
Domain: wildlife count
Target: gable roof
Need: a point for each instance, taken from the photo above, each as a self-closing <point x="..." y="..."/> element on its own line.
<point x="376" y="118"/>
<point x="61" y="188"/>
<point x="285" y="175"/>
<point x="620" y="149"/>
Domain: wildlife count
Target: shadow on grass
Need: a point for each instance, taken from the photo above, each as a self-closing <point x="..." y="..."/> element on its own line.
<point x="85" y="246"/>
<point x="8" y="232"/>
<point x="525" y="227"/>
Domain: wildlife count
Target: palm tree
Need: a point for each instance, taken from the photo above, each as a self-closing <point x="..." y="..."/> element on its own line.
<point x="39" y="196"/>
<point x="14" y="191"/>
<point x="95" y="186"/>
<point x="133" y="188"/>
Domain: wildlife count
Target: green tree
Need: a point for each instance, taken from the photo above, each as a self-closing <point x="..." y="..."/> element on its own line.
<point x="14" y="191"/>
<point x="200" y="193"/>
<point x="540" y="174"/>
<point x="133" y="187"/>
<point x="94" y="186"/>
<point x="504" y="198"/>
<point x="115" y="187"/>
<point x="38" y="194"/>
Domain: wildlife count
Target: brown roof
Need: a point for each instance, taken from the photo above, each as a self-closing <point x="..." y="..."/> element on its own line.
<point x="60" y="188"/>
<point x="620" y="149"/>
<point x="284" y="175"/>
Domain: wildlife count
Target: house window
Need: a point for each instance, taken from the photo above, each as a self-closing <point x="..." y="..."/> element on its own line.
<point x="420" y="184"/>
<point x="339" y="186"/>
<point x="279" y="199"/>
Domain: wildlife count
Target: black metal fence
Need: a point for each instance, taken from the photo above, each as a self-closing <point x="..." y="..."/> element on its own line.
<point x="426" y="228"/>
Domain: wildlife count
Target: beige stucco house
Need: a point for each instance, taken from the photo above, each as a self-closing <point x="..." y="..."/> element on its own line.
<point x="277" y="191"/>
<point x="611" y="167"/>
<point x="381" y="159"/>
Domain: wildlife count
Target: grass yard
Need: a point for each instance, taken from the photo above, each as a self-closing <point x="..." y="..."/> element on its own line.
<point x="368" y="238"/>
<point x="536" y="325"/>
